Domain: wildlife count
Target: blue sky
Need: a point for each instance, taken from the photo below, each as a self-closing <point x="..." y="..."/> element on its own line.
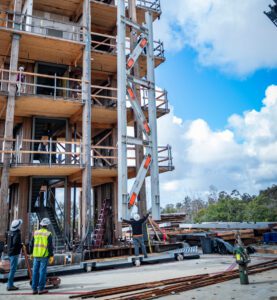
<point x="221" y="75"/>
<point x="198" y="91"/>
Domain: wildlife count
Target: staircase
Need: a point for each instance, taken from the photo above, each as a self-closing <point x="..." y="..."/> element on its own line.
<point x="98" y="235"/>
<point x="47" y="212"/>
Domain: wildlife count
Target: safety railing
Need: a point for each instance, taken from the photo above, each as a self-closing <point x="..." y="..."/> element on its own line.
<point x="40" y="84"/>
<point x="161" y="99"/>
<point x="165" y="159"/>
<point x="41" y="26"/>
<point x="154" y="5"/>
<point x="53" y="153"/>
<point x="107" y="43"/>
<point x="69" y="89"/>
<point x="42" y="152"/>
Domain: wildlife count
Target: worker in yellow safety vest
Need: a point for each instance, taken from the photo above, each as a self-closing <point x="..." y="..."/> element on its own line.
<point x="41" y="249"/>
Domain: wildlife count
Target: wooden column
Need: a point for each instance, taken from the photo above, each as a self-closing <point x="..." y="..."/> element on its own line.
<point x="23" y="199"/>
<point x="142" y="205"/>
<point x="117" y="226"/>
<point x="9" y="123"/>
<point x="86" y="125"/>
<point x="80" y="215"/>
<point x="27" y="135"/>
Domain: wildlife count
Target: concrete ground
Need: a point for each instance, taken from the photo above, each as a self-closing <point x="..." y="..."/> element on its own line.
<point x="262" y="286"/>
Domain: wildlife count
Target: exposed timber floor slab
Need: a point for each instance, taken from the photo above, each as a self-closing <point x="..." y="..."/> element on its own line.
<point x="262" y="286"/>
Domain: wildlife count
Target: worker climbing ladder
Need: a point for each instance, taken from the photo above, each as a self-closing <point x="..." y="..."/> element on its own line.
<point x="127" y="90"/>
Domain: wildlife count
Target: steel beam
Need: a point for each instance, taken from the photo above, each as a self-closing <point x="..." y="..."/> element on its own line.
<point x="121" y="112"/>
<point x="154" y="170"/>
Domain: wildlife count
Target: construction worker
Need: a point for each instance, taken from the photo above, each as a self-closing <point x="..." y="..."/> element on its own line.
<point x="137" y="228"/>
<point x="41" y="249"/>
<point x="14" y="249"/>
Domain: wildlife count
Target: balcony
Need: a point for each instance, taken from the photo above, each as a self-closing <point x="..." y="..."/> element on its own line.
<point x="104" y="13"/>
<point x="60" y="96"/>
<point x="153" y="5"/>
<point x="41" y="26"/>
<point x="107" y="43"/>
<point x="48" y="157"/>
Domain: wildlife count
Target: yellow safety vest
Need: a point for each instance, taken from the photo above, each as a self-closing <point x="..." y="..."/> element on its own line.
<point x="41" y="243"/>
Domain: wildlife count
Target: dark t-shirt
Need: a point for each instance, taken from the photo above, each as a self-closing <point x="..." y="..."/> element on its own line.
<point x="137" y="225"/>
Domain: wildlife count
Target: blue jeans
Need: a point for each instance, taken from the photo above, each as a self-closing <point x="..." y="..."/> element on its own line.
<point x="39" y="273"/>
<point x="139" y="242"/>
<point x="13" y="267"/>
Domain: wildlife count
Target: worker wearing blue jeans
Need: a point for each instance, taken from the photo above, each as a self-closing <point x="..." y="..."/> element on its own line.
<point x="14" y="249"/>
<point x="39" y="273"/>
<point x="137" y="228"/>
<point x="139" y="242"/>
<point x="13" y="268"/>
<point x="42" y="250"/>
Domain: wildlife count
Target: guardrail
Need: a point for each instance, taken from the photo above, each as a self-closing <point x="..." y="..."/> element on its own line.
<point x="42" y="26"/>
<point x="59" y="152"/>
<point x="32" y="84"/>
<point x="45" y="152"/>
<point x="154" y="5"/>
<point x="107" y="43"/>
<point x="69" y="89"/>
<point x="47" y="27"/>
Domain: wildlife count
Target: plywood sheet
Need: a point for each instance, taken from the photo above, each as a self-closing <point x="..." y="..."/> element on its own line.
<point x="39" y="170"/>
<point x="105" y="16"/>
<point x="64" y="7"/>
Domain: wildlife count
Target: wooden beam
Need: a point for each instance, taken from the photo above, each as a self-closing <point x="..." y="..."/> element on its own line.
<point x="78" y="13"/>
<point x="76" y="117"/>
<point x="9" y="124"/>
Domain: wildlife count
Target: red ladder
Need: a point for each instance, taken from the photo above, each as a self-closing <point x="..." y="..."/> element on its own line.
<point x="99" y="230"/>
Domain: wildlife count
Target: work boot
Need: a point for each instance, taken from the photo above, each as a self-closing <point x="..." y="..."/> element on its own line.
<point x="35" y="292"/>
<point x="42" y="292"/>
<point x="12" y="288"/>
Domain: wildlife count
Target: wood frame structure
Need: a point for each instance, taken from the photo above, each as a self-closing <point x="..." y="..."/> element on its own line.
<point x="59" y="63"/>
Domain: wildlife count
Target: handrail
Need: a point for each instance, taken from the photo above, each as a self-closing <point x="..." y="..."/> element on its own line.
<point x="101" y="156"/>
<point x="110" y="45"/>
<point x="75" y="34"/>
<point x="27" y="85"/>
<point x="154" y="5"/>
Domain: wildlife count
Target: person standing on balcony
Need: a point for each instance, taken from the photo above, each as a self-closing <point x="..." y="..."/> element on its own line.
<point x="43" y="147"/>
<point x="14" y="249"/>
<point x="21" y="81"/>
<point x="41" y="249"/>
<point x="137" y="228"/>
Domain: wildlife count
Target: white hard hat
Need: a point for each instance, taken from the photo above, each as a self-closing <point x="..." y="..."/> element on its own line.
<point x="16" y="224"/>
<point x="45" y="222"/>
<point x="136" y="217"/>
<point x="21" y="68"/>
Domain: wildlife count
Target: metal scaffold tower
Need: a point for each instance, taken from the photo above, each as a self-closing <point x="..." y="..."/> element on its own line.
<point x="126" y="92"/>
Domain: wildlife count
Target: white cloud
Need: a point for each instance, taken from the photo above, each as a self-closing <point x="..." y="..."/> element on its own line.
<point x="233" y="35"/>
<point x="243" y="156"/>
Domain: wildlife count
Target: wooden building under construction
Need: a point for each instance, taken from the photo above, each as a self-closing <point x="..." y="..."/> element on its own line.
<point x="65" y="113"/>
